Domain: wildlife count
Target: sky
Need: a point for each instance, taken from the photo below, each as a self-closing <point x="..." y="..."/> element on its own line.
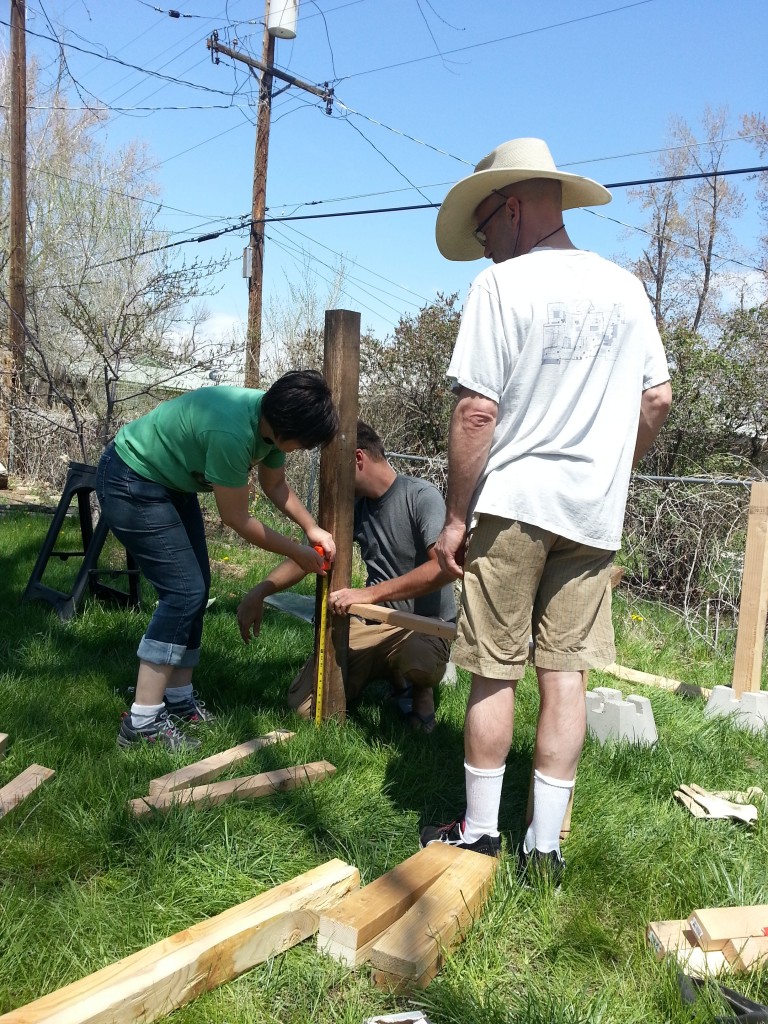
<point x="422" y="90"/>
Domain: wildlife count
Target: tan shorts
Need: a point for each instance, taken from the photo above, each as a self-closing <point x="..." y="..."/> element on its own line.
<point x="376" y="650"/>
<point x="522" y="581"/>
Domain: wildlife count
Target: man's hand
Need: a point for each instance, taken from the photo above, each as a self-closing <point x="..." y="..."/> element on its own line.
<point x="317" y="536"/>
<point x="340" y="600"/>
<point x="451" y="547"/>
<point x="250" y="612"/>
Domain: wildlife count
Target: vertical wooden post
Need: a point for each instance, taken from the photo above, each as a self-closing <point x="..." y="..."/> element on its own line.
<point x="753" y="606"/>
<point x="258" y="209"/>
<point x="341" y="366"/>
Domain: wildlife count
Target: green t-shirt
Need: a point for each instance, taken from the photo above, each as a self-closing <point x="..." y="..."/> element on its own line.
<point x="205" y="437"/>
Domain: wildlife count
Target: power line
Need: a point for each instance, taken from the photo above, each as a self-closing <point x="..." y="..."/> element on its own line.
<point x="420" y="206"/>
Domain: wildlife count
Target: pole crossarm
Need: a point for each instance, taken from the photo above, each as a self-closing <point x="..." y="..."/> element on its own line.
<point x="325" y="92"/>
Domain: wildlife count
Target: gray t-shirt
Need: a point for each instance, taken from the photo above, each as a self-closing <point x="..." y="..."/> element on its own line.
<point x="394" y="533"/>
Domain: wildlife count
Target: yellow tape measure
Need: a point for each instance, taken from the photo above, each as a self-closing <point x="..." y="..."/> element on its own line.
<point x="321" y="645"/>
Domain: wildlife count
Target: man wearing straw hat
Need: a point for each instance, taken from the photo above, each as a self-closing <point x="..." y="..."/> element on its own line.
<point x="562" y="386"/>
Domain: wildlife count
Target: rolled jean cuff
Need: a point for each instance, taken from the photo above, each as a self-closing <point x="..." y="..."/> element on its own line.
<point x="159" y="653"/>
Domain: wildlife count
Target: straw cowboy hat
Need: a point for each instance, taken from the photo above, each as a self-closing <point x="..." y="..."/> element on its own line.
<point x="518" y="160"/>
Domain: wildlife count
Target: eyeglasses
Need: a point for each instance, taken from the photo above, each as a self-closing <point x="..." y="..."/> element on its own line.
<point x="478" y="232"/>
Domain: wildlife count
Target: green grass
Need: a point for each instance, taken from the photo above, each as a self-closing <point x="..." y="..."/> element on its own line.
<point x="83" y="883"/>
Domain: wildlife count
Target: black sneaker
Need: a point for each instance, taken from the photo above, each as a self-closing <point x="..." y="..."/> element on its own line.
<point x="540" y="868"/>
<point x="191" y="710"/>
<point x="452" y="834"/>
<point x="163" y="731"/>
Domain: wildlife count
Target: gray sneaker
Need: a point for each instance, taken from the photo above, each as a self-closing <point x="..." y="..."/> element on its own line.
<point x="163" y="731"/>
<point x="192" y="710"/>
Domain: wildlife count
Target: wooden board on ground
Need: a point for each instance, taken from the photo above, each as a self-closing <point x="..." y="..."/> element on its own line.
<point x="414" y="947"/>
<point x="631" y="675"/>
<point x="24" y="784"/>
<point x="744" y="954"/>
<point x="753" y="607"/>
<point x="405" y="620"/>
<point x="348" y="931"/>
<point x="3" y="744"/>
<point x="699" y="963"/>
<point x="667" y="937"/>
<point x="210" y="767"/>
<point x="248" y="787"/>
<point x="157" y="980"/>
<point x="714" y="926"/>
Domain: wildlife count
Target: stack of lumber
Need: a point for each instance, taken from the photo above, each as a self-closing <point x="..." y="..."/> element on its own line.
<point x="157" y="980"/>
<point x="26" y="782"/>
<point x="408" y="919"/>
<point x="191" y="786"/>
<point x="715" y="939"/>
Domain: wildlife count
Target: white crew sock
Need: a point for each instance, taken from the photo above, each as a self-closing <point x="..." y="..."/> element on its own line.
<point x="145" y="714"/>
<point x="176" y="694"/>
<point x="550" y="802"/>
<point x="483" y="799"/>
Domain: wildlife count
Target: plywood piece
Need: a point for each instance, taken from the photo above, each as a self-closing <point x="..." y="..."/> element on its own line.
<point x="157" y="980"/>
<point x="438" y="919"/>
<point x="24" y="784"/>
<point x="247" y="787"/>
<point x="713" y="926"/>
<point x="210" y="767"/>
<point x="3" y="744"/>
<point x="405" y="620"/>
<point x="753" y="606"/>
<point x="670" y="936"/>
<point x="745" y="953"/>
<point x="348" y="931"/>
<point x="631" y="675"/>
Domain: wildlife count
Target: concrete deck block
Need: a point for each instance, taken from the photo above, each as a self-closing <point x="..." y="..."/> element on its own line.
<point x="749" y="712"/>
<point x="611" y="717"/>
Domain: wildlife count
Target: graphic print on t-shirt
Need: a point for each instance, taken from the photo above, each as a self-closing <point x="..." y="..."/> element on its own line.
<point x="574" y="335"/>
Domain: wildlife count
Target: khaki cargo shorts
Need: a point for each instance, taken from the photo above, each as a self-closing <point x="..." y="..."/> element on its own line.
<point x="375" y="651"/>
<point x="522" y="581"/>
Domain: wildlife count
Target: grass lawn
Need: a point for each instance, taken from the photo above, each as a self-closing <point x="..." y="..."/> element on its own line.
<point x="83" y="883"/>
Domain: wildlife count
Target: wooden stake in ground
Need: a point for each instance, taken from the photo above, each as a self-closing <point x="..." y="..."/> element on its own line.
<point x="753" y="607"/>
<point x="157" y="980"/>
<point x="247" y="787"/>
<point x="411" y="952"/>
<point x="341" y="367"/>
<point x="3" y="744"/>
<point x="210" y="767"/>
<point x="20" y="787"/>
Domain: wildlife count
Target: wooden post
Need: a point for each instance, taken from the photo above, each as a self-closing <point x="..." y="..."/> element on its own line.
<point x="753" y="607"/>
<point x="341" y="366"/>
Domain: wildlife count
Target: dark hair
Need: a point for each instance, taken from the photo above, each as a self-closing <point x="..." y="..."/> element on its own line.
<point x="299" y="407"/>
<point x="370" y="442"/>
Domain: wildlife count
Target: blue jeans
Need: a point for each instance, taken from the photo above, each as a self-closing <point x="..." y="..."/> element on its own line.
<point x="163" y="530"/>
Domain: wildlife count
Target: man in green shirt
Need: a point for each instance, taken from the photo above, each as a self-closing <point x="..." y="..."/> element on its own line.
<point x="147" y="483"/>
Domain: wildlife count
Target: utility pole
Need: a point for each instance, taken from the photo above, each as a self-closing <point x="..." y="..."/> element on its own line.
<point x="259" y="197"/>
<point x="12" y="361"/>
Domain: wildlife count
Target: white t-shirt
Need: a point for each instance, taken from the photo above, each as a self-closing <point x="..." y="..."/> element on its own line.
<point x="565" y="342"/>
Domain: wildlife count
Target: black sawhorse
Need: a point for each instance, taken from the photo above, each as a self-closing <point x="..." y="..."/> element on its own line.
<point x="80" y="483"/>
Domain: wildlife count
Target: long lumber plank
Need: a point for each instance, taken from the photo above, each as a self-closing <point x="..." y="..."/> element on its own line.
<point x="437" y="921"/>
<point x="210" y="767"/>
<point x="405" y="620"/>
<point x="247" y="787"/>
<point x="714" y="926"/>
<point x="631" y="675"/>
<point x="745" y="953"/>
<point x="667" y="937"/>
<point x="19" y="788"/>
<point x="157" y="980"/>
<point x="348" y="931"/>
<point x="3" y="744"/>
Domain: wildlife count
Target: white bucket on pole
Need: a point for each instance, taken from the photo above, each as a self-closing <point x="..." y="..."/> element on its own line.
<point x="282" y="18"/>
